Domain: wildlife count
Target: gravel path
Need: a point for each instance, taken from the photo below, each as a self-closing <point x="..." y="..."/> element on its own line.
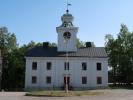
<point x="115" y="94"/>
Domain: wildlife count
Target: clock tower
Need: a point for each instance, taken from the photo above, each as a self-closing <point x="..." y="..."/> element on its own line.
<point x="67" y="34"/>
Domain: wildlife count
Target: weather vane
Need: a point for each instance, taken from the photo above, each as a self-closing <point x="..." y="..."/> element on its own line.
<point x="68" y="4"/>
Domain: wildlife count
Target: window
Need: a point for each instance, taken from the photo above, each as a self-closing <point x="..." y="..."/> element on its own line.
<point x="34" y="66"/>
<point x="99" y="66"/>
<point x="66" y="66"/>
<point x="34" y="79"/>
<point x="84" y="66"/>
<point x="49" y="65"/>
<point x="84" y="80"/>
<point x="48" y="79"/>
<point x="99" y="80"/>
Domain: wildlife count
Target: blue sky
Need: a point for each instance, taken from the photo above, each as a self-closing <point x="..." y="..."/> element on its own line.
<point x="37" y="19"/>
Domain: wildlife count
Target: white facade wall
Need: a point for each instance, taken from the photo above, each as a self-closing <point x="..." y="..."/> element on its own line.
<point x="57" y="72"/>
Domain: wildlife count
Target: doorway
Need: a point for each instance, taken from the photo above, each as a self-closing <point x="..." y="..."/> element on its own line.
<point x="67" y="81"/>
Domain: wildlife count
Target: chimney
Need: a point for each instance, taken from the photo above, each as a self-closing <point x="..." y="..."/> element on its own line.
<point x="90" y="44"/>
<point x="45" y="45"/>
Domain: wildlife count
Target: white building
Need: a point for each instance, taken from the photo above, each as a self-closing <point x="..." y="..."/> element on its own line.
<point x="52" y="67"/>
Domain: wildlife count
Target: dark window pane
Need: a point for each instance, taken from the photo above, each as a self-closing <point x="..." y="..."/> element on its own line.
<point x="84" y="66"/>
<point x="66" y="66"/>
<point x="34" y="79"/>
<point x="99" y="80"/>
<point x="34" y="66"/>
<point x="48" y="80"/>
<point x="99" y="66"/>
<point x="84" y="80"/>
<point x="49" y="65"/>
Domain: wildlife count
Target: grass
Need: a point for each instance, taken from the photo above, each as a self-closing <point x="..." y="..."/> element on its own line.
<point x="59" y="93"/>
<point x="62" y="93"/>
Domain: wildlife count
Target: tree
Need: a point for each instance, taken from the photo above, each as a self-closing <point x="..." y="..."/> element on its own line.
<point x="7" y="44"/>
<point x="80" y="43"/>
<point x="7" y="40"/>
<point x="120" y="52"/>
<point x="15" y="72"/>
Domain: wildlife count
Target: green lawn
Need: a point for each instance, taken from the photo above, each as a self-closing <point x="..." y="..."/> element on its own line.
<point x="62" y="93"/>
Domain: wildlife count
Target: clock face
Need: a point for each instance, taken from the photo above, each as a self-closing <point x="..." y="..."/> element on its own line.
<point x="67" y="35"/>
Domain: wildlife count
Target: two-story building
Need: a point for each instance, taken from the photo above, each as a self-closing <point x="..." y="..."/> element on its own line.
<point x="53" y="67"/>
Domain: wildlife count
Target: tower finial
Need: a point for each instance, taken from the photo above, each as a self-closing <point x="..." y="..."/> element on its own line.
<point x="68" y="4"/>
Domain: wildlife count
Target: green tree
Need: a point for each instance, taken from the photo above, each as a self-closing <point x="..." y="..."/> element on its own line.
<point x="120" y="52"/>
<point x="80" y="43"/>
<point x="7" y="44"/>
<point x="15" y="76"/>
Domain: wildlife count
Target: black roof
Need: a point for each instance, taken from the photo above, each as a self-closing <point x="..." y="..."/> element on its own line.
<point x="91" y="52"/>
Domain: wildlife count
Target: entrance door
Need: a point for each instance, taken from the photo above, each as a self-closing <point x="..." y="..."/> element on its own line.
<point x="67" y="80"/>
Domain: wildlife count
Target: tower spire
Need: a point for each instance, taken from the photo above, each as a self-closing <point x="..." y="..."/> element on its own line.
<point x="67" y="6"/>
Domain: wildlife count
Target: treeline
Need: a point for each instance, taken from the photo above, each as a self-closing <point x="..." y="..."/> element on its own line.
<point x="120" y="54"/>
